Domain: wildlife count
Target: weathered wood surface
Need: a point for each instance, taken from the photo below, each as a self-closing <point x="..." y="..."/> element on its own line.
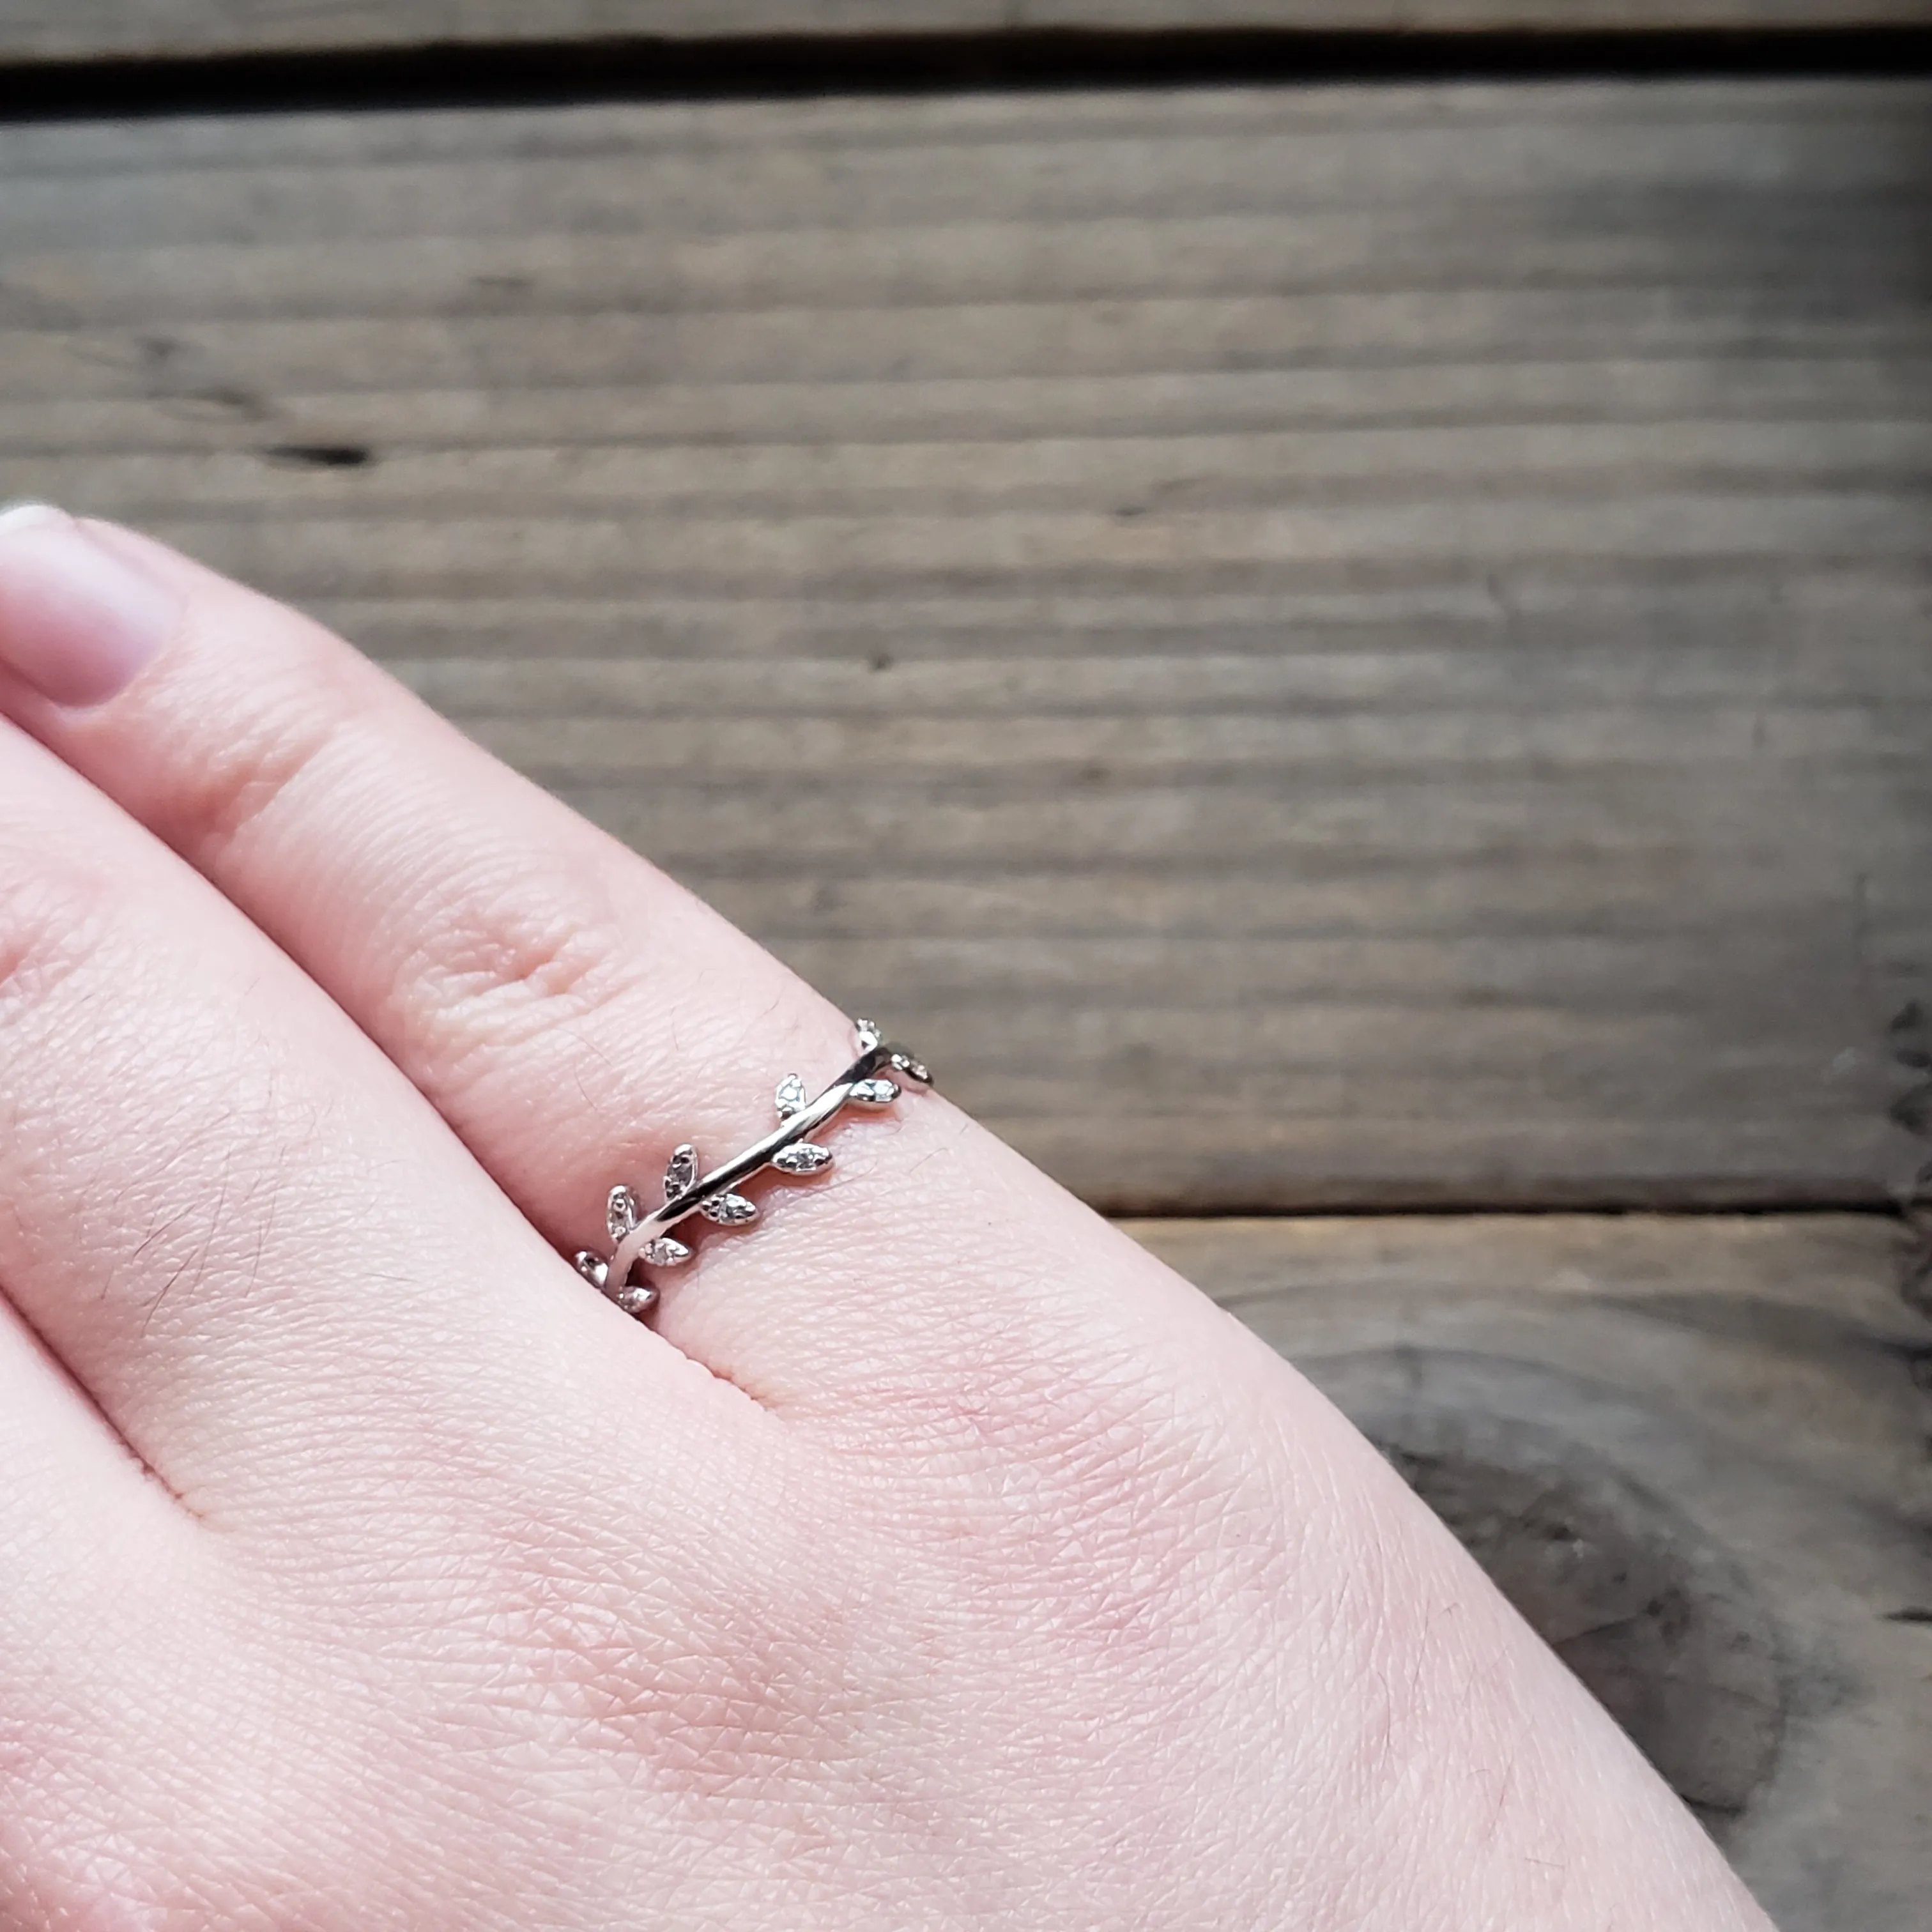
<point x="1692" y="1452"/>
<point x="72" y="29"/>
<point x="1330" y="648"/>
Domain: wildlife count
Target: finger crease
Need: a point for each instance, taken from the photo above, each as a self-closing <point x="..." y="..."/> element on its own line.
<point x="209" y="814"/>
<point x="85" y="1395"/>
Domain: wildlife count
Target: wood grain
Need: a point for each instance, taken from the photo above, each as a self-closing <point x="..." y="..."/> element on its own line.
<point x="72" y="29"/>
<point x="1692" y="1452"/>
<point x="1378" y="635"/>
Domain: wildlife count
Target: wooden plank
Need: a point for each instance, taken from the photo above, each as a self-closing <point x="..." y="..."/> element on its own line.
<point x="1693" y="1453"/>
<point x="80" y="29"/>
<point x="1380" y="633"/>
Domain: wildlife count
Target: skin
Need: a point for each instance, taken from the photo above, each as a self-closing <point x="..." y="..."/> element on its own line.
<point x="936" y="1559"/>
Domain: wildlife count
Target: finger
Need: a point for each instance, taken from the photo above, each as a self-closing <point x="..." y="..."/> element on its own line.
<point x="571" y="1012"/>
<point x="274" y="1270"/>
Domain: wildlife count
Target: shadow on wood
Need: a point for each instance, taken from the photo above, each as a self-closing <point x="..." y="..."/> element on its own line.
<point x="1693" y="1454"/>
<point x="1653" y="1616"/>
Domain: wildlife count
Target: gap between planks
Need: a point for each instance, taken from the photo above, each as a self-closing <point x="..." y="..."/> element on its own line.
<point x="103" y="56"/>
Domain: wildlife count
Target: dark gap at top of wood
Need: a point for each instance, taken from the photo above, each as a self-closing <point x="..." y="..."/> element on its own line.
<point x="641" y="69"/>
<point x="1802" y="1204"/>
<point x="1688" y="1199"/>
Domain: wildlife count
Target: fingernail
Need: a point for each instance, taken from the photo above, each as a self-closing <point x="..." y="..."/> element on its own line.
<point x="78" y="621"/>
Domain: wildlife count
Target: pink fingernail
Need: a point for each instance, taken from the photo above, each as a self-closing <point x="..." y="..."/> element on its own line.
<point x="78" y="621"/>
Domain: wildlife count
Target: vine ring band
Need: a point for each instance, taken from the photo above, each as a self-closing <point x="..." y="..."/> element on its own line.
<point x="646" y="1241"/>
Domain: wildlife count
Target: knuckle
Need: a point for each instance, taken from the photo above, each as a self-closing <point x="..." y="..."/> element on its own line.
<point x="496" y="966"/>
<point x="209" y="804"/>
<point x="732" y="1683"/>
<point x="1094" y="1483"/>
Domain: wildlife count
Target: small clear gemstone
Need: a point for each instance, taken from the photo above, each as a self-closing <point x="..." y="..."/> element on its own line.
<point x="681" y="1171"/>
<point x="622" y="1214"/>
<point x="802" y="1157"/>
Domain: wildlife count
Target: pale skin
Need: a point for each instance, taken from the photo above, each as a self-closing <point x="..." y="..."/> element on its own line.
<point x="935" y="1558"/>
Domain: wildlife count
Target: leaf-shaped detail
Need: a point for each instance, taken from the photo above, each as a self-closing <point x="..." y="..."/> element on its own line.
<point x="636" y="1301"/>
<point x="790" y="1096"/>
<point x="868" y="1033"/>
<point x="913" y="1069"/>
<point x="730" y="1210"/>
<point x="802" y="1157"/>
<point x="681" y="1171"/>
<point x="665" y="1252"/>
<point x="622" y="1214"/>
<point x="875" y="1092"/>
<point x="594" y="1271"/>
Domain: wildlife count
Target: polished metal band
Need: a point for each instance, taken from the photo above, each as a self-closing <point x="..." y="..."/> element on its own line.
<point x="645" y="1240"/>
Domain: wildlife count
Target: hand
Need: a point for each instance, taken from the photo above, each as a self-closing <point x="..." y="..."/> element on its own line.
<point x="937" y="1560"/>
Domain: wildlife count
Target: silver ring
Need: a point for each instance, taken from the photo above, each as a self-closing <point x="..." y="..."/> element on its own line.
<point x="646" y="1241"/>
